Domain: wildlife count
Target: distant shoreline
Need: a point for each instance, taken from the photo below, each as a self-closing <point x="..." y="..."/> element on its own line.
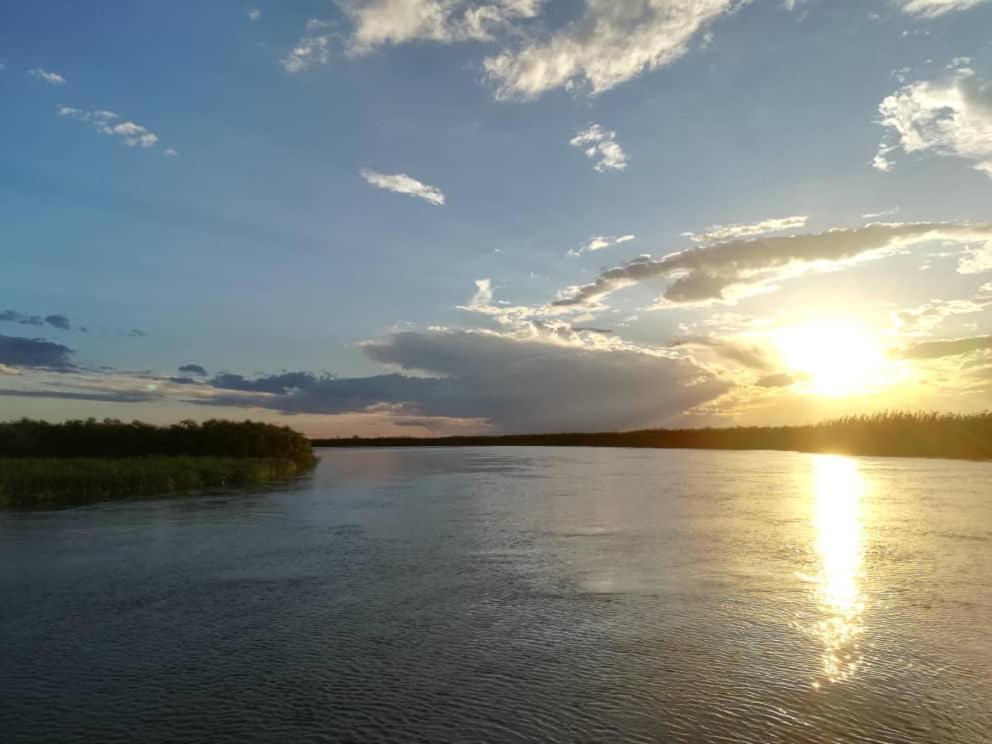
<point x="961" y="437"/>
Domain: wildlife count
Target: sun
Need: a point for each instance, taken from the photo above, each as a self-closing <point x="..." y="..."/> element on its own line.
<point x="833" y="357"/>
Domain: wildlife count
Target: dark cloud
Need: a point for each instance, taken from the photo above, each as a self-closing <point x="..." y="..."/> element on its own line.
<point x="705" y="274"/>
<point x="136" y="333"/>
<point x="58" y="321"/>
<point x="942" y="348"/>
<point x="516" y="384"/>
<point x="779" y="380"/>
<point x="193" y="369"/>
<point x="124" y="396"/>
<point x="12" y="316"/>
<point x="34" y="352"/>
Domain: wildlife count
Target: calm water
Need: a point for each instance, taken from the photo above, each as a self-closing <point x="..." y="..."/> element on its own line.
<point x="501" y="595"/>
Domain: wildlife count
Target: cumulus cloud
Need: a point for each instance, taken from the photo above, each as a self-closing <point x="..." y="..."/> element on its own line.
<point x="388" y="22"/>
<point x="110" y="123"/>
<point x="944" y="348"/>
<point x="401" y="183"/>
<point x="950" y="117"/>
<point x="52" y="78"/>
<point x="935" y="8"/>
<point x="608" y="44"/>
<point x="600" y="242"/>
<point x="716" y="233"/>
<point x="600" y="146"/>
<point x="34" y="352"/>
<point x="741" y="267"/>
<point x="193" y="369"/>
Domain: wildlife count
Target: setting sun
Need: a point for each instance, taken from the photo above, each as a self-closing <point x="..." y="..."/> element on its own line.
<point x="833" y="357"/>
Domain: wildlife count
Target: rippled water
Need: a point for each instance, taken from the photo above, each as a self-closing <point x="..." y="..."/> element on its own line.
<point x="545" y="595"/>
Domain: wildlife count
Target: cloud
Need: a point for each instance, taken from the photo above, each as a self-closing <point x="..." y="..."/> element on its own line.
<point x="935" y="8"/>
<point x="34" y="352"/>
<point x="608" y="44"/>
<point x="58" y="321"/>
<point x="170" y="152"/>
<point x="778" y="380"/>
<point x="193" y="369"/>
<point x="600" y="146"/>
<point x="600" y="242"/>
<point x="401" y="183"/>
<point x="746" y="355"/>
<point x="52" y="78"/>
<point x="110" y="123"/>
<point x="388" y="22"/>
<point x="309" y="51"/>
<point x="136" y="333"/>
<point x="483" y="293"/>
<point x="254" y="14"/>
<point x="733" y="232"/>
<point x="879" y="215"/>
<point x="742" y="267"/>
<point x="952" y="117"/>
<point x="944" y="348"/>
<point x="931" y="315"/>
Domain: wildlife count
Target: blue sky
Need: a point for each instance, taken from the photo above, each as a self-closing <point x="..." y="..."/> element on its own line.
<point x="256" y="188"/>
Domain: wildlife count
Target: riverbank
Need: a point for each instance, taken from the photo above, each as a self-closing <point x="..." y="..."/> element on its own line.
<point x="44" y="465"/>
<point x="890" y="434"/>
<point x="34" y="483"/>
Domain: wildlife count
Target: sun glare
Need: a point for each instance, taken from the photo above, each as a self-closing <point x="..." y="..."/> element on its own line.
<point x="833" y="357"/>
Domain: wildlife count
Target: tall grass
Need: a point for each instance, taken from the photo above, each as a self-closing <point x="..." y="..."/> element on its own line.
<point x="49" y="482"/>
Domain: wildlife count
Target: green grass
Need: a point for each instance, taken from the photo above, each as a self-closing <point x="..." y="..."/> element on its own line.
<point x="32" y="483"/>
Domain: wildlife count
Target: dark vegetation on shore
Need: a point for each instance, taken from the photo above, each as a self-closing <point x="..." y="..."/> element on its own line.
<point x="890" y="434"/>
<point x="79" y="462"/>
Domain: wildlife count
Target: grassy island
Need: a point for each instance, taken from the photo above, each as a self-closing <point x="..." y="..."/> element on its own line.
<point x="890" y="434"/>
<point x="79" y="462"/>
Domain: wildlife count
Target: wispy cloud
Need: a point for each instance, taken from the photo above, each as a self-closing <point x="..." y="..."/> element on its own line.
<point x="110" y="123"/>
<point x="312" y="49"/>
<point x="880" y="215"/>
<point x="951" y="117"/>
<point x="401" y="183"/>
<point x="935" y="8"/>
<point x="734" y="232"/>
<point x="600" y="242"/>
<point x="254" y="14"/>
<point x="945" y="348"/>
<point x="600" y="146"/>
<point x="608" y="44"/>
<point x="52" y="78"/>
<point x="738" y="268"/>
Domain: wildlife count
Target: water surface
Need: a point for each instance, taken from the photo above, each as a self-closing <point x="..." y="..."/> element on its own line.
<point x="511" y="595"/>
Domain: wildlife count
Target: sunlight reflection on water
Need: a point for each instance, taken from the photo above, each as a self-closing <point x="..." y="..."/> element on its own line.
<point x="838" y="492"/>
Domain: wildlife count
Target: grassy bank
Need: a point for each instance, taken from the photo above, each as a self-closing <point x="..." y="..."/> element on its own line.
<point x="30" y="483"/>
<point x="79" y="462"/>
<point x="891" y="434"/>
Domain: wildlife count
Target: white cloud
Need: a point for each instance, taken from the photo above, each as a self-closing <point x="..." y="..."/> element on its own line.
<point x="483" y="296"/>
<point x="600" y="145"/>
<point x="610" y="43"/>
<point x="600" y="242"/>
<point x="401" y="183"/>
<point x="952" y="117"/>
<point x="883" y="213"/>
<point x="934" y="8"/>
<point x="52" y="78"/>
<point x="309" y="51"/>
<point x="739" y="268"/>
<point x="976" y="259"/>
<point x="384" y="22"/>
<point x="254" y="14"/>
<point x="931" y="315"/>
<point x="170" y="153"/>
<point x="716" y="233"/>
<point x="110" y="123"/>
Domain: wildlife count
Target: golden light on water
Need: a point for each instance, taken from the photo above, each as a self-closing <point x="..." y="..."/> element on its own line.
<point x="833" y="357"/>
<point x="837" y="519"/>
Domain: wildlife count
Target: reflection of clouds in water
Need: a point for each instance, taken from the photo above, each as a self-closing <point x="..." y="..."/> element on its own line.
<point x="838" y="488"/>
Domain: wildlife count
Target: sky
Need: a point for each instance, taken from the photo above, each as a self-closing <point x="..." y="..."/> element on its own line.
<point x="421" y="217"/>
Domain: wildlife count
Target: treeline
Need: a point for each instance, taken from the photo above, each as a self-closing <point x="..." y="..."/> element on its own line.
<point x="112" y="438"/>
<point x="889" y="434"/>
